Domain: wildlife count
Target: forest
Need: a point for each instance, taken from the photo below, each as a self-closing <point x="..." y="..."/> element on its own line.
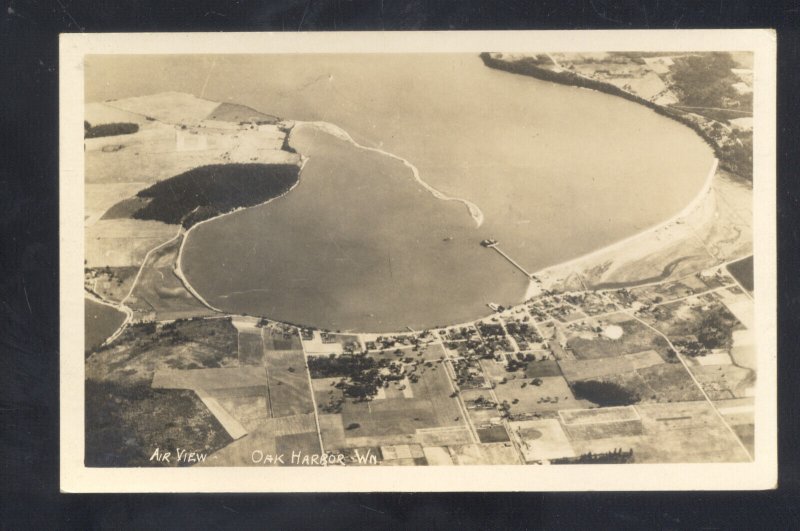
<point x="208" y="191"/>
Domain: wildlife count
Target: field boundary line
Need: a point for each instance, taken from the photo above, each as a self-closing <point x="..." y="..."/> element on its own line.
<point x="697" y="383"/>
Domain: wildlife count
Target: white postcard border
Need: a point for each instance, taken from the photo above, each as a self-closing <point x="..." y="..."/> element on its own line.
<point x="75" y="477"/>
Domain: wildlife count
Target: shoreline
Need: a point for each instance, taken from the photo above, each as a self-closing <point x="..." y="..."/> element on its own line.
<point x="91" y="295"/>
<point x="536" y="286"/>
<point x="336" y="131"/>
<point x="178" y="269"/>
<point x="562" y="267"/>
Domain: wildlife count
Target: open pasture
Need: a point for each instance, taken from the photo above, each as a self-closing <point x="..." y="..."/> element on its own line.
<point x="289" y="390"/>
<point x="598" y="367"/>
<point x="686" y="432"/>
<point x="722" y="382"/>
<point x="485" y="454"/>
<point x="636" y="337"/>
<point x="251" y="348"/>
<point x="266" y="440"/>
<point x="123" y="242"/>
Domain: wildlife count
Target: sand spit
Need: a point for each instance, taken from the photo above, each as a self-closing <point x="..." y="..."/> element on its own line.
<point x="633" y="247"/>
<point x="341" y="134"/>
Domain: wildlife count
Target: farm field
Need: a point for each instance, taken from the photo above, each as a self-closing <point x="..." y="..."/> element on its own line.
<point x="289" y="391"/>
<point x="635" y="338"/>
<point x="687" y="432"/>
<point x="393" y="416"/>
<point x="598" y="367"/>
<point x="124" y="242"/>
<point x="484" y="454"/>
<point x="722" y="382"/>
<point x="251" y="348"/>
<point x="274" y="436"/>
<point x="739" y="413"/>
<point x="523" y="396"/>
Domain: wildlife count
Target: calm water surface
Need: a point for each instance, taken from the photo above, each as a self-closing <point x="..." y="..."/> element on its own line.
<point x="101" y="321"/>
<point x="557" y="171"/>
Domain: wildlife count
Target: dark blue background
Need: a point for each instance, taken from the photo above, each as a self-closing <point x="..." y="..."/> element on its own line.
<point x="29" y="274"/>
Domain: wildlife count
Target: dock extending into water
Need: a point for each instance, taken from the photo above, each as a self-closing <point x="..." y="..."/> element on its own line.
<point x="513" y="262"/>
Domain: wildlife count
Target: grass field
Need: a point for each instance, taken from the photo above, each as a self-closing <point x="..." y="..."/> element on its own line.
<point x="267" y="440"/>
<point x="145" y="348"/>
<point x="739" y="413"/>
<point x="160" y="292"/>
<point x="251" y="348"/>
<point x="250" y="406"/>
<point x="233" y="112"/>
<point x="289" y="390"/>
<point x="594" y="368"/>
<point x="394" y="419"/>
<point x="721" y="382"/>
<point x="686" y="432"/>
<point x="666" y="382"/>
<point x="542" y="368"/>
<point x="636" y="337"/>
<point x="551" y="394"/>
<point x="485" y="454"/>
<point x="591" y="416"/>
<point x="124" y="242"/>
<point x="492" y="434"/>
<point x="169" y="107"/>
<point x="541" y="440"/>
<point x="101" y="197"/>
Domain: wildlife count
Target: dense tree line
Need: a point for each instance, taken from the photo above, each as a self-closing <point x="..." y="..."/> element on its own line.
<point x="616" y="456"/>
<point x="112" y="129"/>
<point x="704" y="80"/>
<point x="208" y="191"/>
<point x="604" y="394"/>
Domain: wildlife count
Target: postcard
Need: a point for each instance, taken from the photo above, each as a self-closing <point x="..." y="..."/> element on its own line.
<point x="444" y="261"/>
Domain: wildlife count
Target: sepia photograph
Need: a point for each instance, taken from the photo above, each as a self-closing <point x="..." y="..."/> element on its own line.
<point x="480" y="257"/>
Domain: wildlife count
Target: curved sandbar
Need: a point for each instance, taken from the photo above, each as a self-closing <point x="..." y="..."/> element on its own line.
<point x="553" y="168"/>
<point x="340" y="133"/>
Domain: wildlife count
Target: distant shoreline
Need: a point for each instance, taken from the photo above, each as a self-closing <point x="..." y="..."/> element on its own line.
<point x="565" y="77"/>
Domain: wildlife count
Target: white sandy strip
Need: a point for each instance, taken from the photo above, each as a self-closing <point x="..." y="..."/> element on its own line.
<point x="231" y="425"/>
<point x="694" y="204"/>
<point x="341" y="134"/>
<point x="732" y="410"/>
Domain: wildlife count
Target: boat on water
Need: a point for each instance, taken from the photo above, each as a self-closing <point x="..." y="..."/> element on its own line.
<point x="494" y="306"/>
